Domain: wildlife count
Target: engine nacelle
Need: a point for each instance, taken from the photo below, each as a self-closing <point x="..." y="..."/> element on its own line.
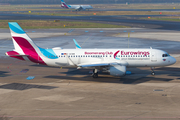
<point x="117" y="70"/>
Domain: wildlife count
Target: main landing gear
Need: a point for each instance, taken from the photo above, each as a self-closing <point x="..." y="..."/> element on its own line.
<point x="152" y="73"/>
<point x="95" y="73"/>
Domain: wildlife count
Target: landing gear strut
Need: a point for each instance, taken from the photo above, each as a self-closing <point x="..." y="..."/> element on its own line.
<point x="95" y="73"/>
<point x="152" y="73"/>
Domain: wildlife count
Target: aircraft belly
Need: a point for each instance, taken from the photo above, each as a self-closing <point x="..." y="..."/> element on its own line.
<point x="56" y="62"/>
<point x="139" y="63"/>
<point x="64" y="61"/>
<point x="86" y="60"/>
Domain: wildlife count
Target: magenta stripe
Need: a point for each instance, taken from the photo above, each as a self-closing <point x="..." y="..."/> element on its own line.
<point x="116" y="54"/>
<point x="29" y="50"/>
<point x="65" y="5"/>
<point x="62" y="6"/>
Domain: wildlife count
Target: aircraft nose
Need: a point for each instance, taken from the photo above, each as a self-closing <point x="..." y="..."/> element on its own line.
<point x="173" y="60"/>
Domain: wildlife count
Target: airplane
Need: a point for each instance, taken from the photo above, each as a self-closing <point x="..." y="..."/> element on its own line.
<point x="113" y="61"/>
<point x="76" y="7"/>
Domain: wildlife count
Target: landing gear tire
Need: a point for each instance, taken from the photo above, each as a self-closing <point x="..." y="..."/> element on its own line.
<point x="153" y="73"/>
<point x="95" y="75"/>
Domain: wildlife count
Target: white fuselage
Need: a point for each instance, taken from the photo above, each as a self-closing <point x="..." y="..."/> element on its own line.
<point x="127" y="57"/>
<point x="78" y="6"/>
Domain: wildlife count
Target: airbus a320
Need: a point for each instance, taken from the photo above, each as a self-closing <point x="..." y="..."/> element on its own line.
<point x="113" y="61"/>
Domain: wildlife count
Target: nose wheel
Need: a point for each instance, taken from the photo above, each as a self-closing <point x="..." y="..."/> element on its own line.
<point x="95" y="73"/>
<point x="152" y="73"/>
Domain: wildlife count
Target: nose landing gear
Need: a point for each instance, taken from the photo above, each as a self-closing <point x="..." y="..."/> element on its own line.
<point x="152" y="73"/>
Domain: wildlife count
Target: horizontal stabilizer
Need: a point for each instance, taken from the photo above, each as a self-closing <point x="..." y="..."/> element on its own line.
<point x="14" y="53"/>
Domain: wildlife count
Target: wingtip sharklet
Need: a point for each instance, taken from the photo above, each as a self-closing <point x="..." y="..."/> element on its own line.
<point x="77" y="45"/>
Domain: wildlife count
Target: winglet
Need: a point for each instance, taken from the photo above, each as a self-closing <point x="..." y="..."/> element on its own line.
<point x="77" y="45"/>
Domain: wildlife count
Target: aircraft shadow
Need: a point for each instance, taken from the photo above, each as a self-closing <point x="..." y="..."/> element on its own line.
<point x="168" y="69"/>
<point x="142" y="80"/>
<point x="45" y="66"/>
<point x="21" y="86"/>
<point x="172" y="71"/>
<point x="4" y="74"/>
<point x="143" y="76"/>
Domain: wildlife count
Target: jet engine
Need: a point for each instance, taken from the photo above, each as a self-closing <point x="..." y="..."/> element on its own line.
<point x="80" y="8"/>
<point x="117" y="70"/>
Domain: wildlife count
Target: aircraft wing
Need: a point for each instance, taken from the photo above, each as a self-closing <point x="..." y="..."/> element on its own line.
<point x="99" y="64"/>
<point x="96" y="64"/>
<point x="79" y="8"/>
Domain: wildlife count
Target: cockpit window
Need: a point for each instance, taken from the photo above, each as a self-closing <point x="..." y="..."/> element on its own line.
<point x="165" y="55"/>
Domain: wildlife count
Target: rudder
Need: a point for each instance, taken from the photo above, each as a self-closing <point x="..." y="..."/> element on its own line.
<point x="20" y="39"/>
<point x="23" y="44"/>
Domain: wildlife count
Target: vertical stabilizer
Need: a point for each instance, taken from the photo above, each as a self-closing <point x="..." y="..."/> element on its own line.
<point x="64" y="5"/>
<point x="20" y="39"/>
<point x="23" y="44"/>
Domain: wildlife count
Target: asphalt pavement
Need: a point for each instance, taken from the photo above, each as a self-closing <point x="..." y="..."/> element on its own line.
<point x="128" y="20"/>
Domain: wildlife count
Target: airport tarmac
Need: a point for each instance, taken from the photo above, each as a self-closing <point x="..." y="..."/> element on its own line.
<point x="68" y="93"/>
<point x="105" y="9"/>
<point x="127" y="20"/>
<point x="98" y="38"/>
